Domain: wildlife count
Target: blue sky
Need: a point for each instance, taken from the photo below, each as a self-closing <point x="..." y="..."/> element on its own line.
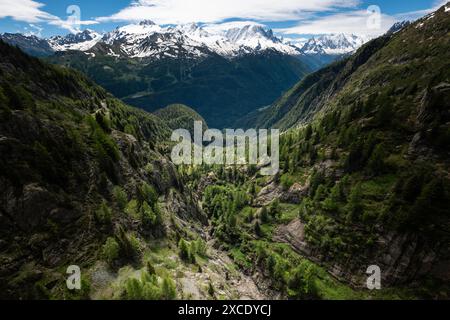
<point x="289" y="18"/>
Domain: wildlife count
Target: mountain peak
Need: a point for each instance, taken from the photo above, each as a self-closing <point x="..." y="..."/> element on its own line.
<point x="333" y="44"/>
<point x="149" y="40"/>
<point x="80" y="41"/>
<point x="398" y="26"/>
<point x="147" y="22"/>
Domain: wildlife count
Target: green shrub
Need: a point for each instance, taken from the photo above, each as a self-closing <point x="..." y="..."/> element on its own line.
<point x="331" y="203"/>
<point x="257" y="228"/>
<point x="286" y="181"/>
<point x="132" y="209"/>
<point x="168" y="289"/>
<point x="148" y="215"/>
<point x="104" y="213"/>
<point x="248" y="214"/>
<point x="106" y="150"/>
<point x="128" y="243"/>
<point x="150" y="268"/>
<point x="376" y="163"/>
<point x="141" y="290"/>
<point x="321" y="193"/>
<point x="211" y="290"/>
<point x="148" y="287"/>
<point x="274" y="208"/>
<point x="120" y="197"/>
<point x="103" y="121"/>
<point x="111" y="250"/>
<point x="355" y="204"/>
<point x="264" y="215"/>
<point x="148" y="193"/>
<point x="301" y="281"/>
<point x="129" y="129"/>
<point x="184" y="253"/>
<point x="201" y="247"/>
<point x="134" y="242"/>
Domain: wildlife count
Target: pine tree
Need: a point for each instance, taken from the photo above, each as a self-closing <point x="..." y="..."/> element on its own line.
<point x="376" y="161"/>
<point x="320" y="193"/>
<point x="120" y="197"/>
<point x="104" y="213"/>
<point x="257" y="228"/>
<point x="308" y="132"/>
<point x="264" y="215"/>
<point x="168" y="289"/>
<point x="184" y="250"/>
<point x="355" y="205"/>
<point x="150" y="268"/>
<point x="211" y="290"/>
<point x="148" y="215"/>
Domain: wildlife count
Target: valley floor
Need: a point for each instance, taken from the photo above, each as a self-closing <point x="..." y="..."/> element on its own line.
<point x="192" y="280"/>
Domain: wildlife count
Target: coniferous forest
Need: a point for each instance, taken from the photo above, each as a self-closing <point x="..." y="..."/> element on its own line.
<point x="87" y="179"/>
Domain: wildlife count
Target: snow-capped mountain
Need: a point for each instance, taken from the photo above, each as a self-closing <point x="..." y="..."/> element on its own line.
<point x="81" y="41"/>
<point x="398" y="26"/>
<point x="29" y="43"/>
<point x="149" y="40"/>
<point x="333" y="44"/>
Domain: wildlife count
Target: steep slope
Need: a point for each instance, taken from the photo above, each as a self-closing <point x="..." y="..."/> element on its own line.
<point x="220" y="89"/>
<point x="77" y="167"/>
<point x="223" y="70"/>
<point x="323" y="88"/>
<point x="310" y="95"/>
<point x="85" y="181"/>
<point x="364" y="177"/>
<point x="30" y="44"/>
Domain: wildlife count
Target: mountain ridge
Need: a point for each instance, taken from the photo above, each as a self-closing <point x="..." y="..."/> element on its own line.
<point x="149" y="40"/>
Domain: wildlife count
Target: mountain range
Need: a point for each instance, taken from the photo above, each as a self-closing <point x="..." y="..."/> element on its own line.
<point x="150" y="66"/>
<point x="364" y="182"/>
<point x="149" y="40"/>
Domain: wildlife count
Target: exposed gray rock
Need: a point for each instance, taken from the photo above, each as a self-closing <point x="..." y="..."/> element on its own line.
<point x="268" y="194"/>
<point x="401" y="257"/>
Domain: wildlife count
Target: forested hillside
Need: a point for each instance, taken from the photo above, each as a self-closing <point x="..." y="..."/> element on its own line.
<point x="365" y="173"/>
<point x="86" y="180"/>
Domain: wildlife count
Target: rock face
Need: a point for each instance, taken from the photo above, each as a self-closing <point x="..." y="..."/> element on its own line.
<point x="268" y="194"/>
<point x="295" y="194"/>
<point x="66" y="146"/>
<point x="401" y="257"/>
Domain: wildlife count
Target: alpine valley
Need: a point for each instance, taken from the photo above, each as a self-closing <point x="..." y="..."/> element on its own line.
<point x="224" y="71"/>
<point x="86" y="178"/>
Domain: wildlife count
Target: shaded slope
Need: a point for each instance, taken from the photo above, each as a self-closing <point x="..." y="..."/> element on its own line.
<point x="81" y="174"/>
<point x="220" y="89"/>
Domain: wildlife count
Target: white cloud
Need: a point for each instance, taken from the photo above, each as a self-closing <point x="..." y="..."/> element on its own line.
<point x="209" y="11"/>
<point x="355" y="22"/>
<point x="71" y="25"/>
<point x="413" y="15"/>
<point x="24" y="10"/>
<point x="34" y="30"/>
<point x="31" y="12"/>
